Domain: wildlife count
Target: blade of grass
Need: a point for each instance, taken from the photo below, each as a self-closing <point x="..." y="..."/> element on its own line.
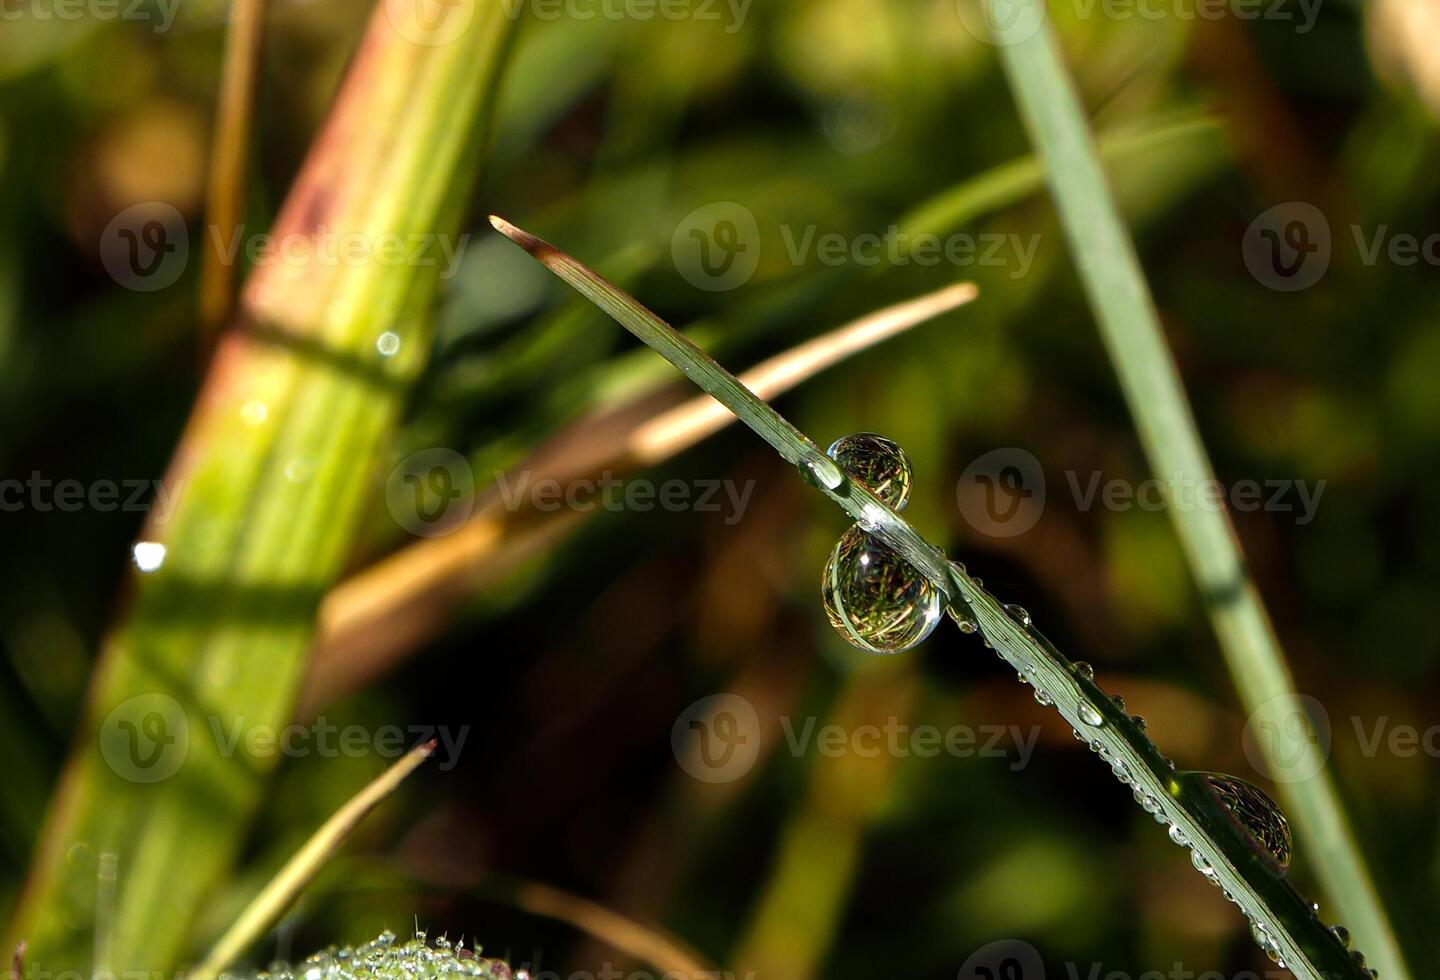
<point x="225" y="204"/>
<point x="267" y="489"/>
<point x="301" y="869"/>
<point x="1120" y="297"/>
<point x="1275" y="908"/>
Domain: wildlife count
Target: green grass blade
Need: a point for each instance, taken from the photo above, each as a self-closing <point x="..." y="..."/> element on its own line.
<point x="276" y="896"/>
<point x="1110" y="271"/>
<point x="1300" y="939"/>
<point x="268" y="489"/>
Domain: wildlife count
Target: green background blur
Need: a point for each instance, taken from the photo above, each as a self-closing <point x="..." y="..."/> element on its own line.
<point x="837" y="116"/>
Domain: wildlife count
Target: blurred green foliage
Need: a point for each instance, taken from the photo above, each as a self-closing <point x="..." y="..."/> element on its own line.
<point x="843" y="115"/>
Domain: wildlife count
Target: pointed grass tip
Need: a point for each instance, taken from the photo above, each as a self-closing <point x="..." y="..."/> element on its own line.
<point x="535" y="246"/>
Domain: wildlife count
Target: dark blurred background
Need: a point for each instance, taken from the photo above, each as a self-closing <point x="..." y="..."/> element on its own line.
<point x="570" y="668"/>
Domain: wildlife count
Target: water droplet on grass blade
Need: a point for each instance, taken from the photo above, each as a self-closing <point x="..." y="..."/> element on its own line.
<point x="877" y="463"/>
<point x="1090" y="715"/>
<point x="1254" y="814"/>
<point x="820" y="471"/>
<point x="874" y="598"/>
<point x="388" y="343"/>
<point x="1085" y="670"/>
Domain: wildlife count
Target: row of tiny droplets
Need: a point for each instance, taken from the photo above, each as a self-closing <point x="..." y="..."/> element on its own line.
<point x="1148" y="802"/>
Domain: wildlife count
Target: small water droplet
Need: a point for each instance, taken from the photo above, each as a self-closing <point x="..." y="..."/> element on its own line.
<point x="1202" y="864"/>
<point x="1089" y="715"/>
<point x="1043" y="699"/>
<point x="964" y="620"/>
<point x="1084" y="670"/>
<point x="388" y="343"/>
<point x="877" y="463"/>
<point x="1138" y="722"/>
<point x="1358" y="957"/>
<point x="874" y="598"/>
<point x="1342" y="934"/>
<point x="1179" y="836"/>
<point x="1019" y="614"/>
<point x="148" y="555"/>
<point x="820" y="471"/>
<point x="1118" y="701"/>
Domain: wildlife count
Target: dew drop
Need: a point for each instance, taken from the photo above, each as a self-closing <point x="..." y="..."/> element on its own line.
<point x="148" y="555"/>
<point x="1118" y="701"/>
<point x="874" y="598"/>
<point x="1342" y="934"/>
<point x="1179" y="836"/>
<point x="1202" y="864"/>
<point x="1090" y="715"/>
<point x="1043" y="699"/>
<point x="1019" y="614"/>
<point x="388" y="343"/>
<point x="1254" y="814"/>
<point x="819" y="471"/>
<point x="1138" y="722"/>
<point x="877" y="463"/>
<point x="964" y="620"/>
<point x="1084" y="669"/>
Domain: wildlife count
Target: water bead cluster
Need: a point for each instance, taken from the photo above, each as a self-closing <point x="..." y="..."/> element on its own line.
<point x="875" y="599"/>
<point x="385" y="959"/>
<point x="879" y="603"/>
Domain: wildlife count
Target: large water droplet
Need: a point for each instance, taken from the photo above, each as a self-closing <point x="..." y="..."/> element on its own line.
<point x="1255" y="814"/>
<point x="874" y="598"/>
<point x="878" y="463"/>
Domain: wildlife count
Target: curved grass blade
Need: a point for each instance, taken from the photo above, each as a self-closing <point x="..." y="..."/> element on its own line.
<point x="1288" y="924"/>
<point x="287" y="884"/>
<point x="1125" y="310"/>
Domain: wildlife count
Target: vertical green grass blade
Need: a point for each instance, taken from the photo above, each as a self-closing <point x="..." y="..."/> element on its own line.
<point x="267" y="488"/>
<point x="1123" y="306"/>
